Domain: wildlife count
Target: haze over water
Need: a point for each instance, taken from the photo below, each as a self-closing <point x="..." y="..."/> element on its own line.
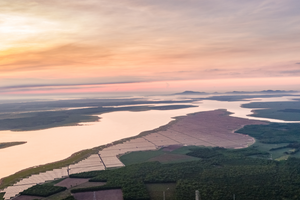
<point x="49" y="145"/>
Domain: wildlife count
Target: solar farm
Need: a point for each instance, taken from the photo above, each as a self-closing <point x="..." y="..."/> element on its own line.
<point x="211" y="128"/>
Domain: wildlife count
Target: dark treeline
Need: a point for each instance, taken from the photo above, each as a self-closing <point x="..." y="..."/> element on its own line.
<point x="274" y="133"/>
<point x="217" y="176"/>
<point x="43" y="190"/>
<point x="49" y="119"/>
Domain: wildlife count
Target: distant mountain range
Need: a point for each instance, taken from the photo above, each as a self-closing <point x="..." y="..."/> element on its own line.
<point x="263" y="91"/>
<point x="190" y="93"/>
<point x="236" y="92"/>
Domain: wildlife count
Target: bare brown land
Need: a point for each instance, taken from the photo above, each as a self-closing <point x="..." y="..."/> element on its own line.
<point x="72" y="182"/>
<point x="90" y="184"/>
<point x="171" y="147"/>
<point x="210" y="128"/>
<point x="27" y="197"/>
<point x="115" y="194"/>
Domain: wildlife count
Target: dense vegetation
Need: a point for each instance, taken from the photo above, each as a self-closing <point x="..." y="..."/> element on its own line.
<point x="278" y="139"/>
<point x="78" y="156"/>
<point x="247" y="173"/>
<point x="42" y="115"/>
<point x="43" y="190"/>
<point x="273" y="133"/>
<point x="218" y="176"/>
<point x="243" y="97"/>
<point x="2" y="195"/>
<point x="287" y="110"/>
<point x="10" y="144"/>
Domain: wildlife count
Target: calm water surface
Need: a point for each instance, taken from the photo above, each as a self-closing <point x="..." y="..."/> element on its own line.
<point x="45" y="146"/>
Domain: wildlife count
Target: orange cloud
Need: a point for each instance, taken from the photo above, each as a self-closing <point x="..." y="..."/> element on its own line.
<point x="146" y="41"/>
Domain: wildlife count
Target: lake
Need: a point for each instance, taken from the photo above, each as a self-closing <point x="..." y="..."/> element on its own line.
<point x="49" y="145"/>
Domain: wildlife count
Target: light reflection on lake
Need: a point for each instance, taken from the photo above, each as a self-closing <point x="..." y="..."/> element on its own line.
<point x="45" y="146"/>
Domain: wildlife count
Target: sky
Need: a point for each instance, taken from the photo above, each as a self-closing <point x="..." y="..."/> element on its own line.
<point x="97" y="46"/>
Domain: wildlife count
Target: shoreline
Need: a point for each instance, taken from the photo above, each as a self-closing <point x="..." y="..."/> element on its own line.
<point x="81" y="155"/>
<point x="4" y="145"/>
<point x="72" y="159"/>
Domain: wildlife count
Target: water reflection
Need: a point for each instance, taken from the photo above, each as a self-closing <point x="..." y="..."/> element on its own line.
<point x="45" y="146"/>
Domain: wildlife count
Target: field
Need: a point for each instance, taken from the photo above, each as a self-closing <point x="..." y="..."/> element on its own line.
<point x="218" y="174"/>
<point x="211" y="128"/>
<point x="27" y="172"/>
<point x="215" y="171"/>
<point x="115" y="194"/>
<point x="68" y="182"/>
<point x="159" y="155"/>
<point x="27" y="197"/>
<point x="156" y="190"/>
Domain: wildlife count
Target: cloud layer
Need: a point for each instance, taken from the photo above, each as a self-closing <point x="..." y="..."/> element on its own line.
<point x="114" y="40"/>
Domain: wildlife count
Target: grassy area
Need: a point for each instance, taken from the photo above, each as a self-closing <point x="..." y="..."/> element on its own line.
<point x="218" y="173"/>
<point x="59" y="196"/>
<point x="52" y="183"/>
<point x="2" y="195"/>
<point x="139" y="156"/>
<point x="177" y="155"/>
<point x="219" y="176"/>
<point x="156" y="190"/>
<point x="286" y="110"/>
<point x="10" y="144"/>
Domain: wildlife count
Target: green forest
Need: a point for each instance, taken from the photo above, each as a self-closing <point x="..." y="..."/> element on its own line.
<point x="284" y="110"/>
<point x="217" y="176"/>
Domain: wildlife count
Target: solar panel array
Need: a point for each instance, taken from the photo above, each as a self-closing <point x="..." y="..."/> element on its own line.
<point x="212" y="128"/>
<point x="110" y="154"/>
<point x="91" y="163"/>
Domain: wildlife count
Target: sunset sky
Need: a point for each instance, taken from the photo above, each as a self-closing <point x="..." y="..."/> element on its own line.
<point x="86" y="46"/>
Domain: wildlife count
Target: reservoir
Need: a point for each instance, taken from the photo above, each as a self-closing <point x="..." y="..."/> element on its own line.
<point x="54" y="144"/>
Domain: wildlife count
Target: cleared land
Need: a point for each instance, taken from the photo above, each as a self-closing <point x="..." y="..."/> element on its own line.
<point x="27" y="197"/>
<point x="72" y="182"/>
<point x="156" y="190"/>
<point x="115" y="194"/>
<point x="211" y="128"/>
